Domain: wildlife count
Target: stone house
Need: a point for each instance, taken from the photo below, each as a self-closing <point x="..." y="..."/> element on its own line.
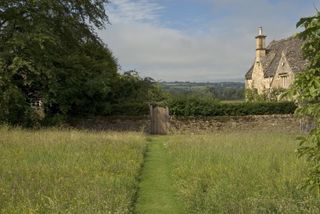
<point x="275" y="66"/>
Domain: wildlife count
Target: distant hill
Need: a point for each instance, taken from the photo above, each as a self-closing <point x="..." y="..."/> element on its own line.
<point x="219" y="90"/>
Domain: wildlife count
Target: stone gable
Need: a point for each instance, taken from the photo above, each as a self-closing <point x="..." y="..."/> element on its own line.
<point x="276" y="67"/>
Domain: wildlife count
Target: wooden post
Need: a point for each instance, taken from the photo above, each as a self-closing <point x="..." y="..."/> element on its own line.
<point x="159" y="120"/>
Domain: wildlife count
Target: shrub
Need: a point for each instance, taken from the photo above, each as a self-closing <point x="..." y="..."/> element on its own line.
<point x="15" y="110"/>
<point x="268" y="95"/>
<point x="210" y="107"/>
<point x="207" y="107"/>
<point x="130" y="109"/>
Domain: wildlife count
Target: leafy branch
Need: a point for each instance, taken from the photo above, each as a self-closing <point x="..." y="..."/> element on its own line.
<point x="306" y="92"/>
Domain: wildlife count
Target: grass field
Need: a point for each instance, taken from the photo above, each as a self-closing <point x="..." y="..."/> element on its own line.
<point x="247" y="172"/>
<point x="54" y="171"/>
<point x="67" y="171"/>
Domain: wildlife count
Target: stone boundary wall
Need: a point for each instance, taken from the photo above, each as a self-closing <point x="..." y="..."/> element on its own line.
<point x="285" y="123"/>
<point x="112" y="123"/>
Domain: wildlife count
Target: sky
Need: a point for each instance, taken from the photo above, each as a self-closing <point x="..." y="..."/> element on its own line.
<point x="196" y="40"/>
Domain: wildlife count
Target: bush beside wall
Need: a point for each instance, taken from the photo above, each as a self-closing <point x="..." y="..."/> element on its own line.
<point x="208" y="108"/>
<point x="130" y="109"/>
<point x="214" y="108"/>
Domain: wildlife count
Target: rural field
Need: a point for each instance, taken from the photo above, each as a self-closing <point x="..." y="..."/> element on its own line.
<point x="244" y="172"/>
<point x="159" y="107"/>
<point x="55" y="171"/>
<point x="69" y="171"/>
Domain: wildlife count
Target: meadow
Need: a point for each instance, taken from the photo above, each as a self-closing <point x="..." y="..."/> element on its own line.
<point x="240" y="172"/>
<point x="67" y="171"/>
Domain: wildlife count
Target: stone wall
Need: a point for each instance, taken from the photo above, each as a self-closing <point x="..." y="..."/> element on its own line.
<point x="258" y="80"/>
<point x="285" y="123"/>
<point x="121" y="123"/>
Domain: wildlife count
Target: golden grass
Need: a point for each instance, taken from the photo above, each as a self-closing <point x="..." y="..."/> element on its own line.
<point x="67" y="171"/>
<point x="240" y="172"/>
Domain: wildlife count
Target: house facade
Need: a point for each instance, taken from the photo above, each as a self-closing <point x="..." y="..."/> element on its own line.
<point x="275" y="66"/>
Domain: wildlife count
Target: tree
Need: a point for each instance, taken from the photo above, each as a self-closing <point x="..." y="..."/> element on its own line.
<point x="49" y="52"/>
<point x="132" y="94"/>
<point x="306" y="91"/>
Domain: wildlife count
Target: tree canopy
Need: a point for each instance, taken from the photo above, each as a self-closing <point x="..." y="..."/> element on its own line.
<point x="306" y="91"/>
<point x="50" y="53"/>
<point x="54" y="66"/>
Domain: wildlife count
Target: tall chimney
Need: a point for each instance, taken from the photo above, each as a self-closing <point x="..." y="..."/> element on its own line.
<point x="260" y="45"/>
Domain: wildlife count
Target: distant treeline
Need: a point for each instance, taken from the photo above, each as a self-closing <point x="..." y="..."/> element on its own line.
<point x="220" y="91"/>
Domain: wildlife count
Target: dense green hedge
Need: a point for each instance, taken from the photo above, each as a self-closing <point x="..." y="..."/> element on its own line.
<point x="198" y="107"/>
<point x="130" y="109"/>
<point x="214" y="108"/>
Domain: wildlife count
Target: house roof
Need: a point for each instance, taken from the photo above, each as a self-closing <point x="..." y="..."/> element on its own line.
<point x="290" y="47"/>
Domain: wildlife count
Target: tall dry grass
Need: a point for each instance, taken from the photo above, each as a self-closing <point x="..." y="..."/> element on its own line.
<point x="242" y="172"/>
<point x="67" y="171"/>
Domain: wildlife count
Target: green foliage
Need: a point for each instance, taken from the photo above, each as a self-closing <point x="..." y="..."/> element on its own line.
<point x="306" y="91"/>
<point x="132" y="94"/>
<point x="197" y="106"/>
<point x="277" y="94"/>
<point x="193" y="105"/>
<point x="49" y="52"/>
<point x="130" y="109"/>
<point x="252" y="95"/>
<point x="273" y="95"/>
<point x="228" y="91"/>
<point x="14" y="107"/>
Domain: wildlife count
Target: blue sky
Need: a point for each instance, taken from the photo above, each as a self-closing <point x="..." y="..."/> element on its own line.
<point x="196" y="40"/>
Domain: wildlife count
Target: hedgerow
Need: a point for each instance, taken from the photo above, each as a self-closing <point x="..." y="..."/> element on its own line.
<point x="207" y="107"/>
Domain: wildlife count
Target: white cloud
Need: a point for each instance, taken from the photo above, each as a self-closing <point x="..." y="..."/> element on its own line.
<point x="220" y="49"/>
<point x="169" y="54"/>
<point x="128" y="11"/>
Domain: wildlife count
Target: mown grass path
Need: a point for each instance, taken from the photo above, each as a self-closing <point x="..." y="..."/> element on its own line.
<point x="156" y="193"/>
